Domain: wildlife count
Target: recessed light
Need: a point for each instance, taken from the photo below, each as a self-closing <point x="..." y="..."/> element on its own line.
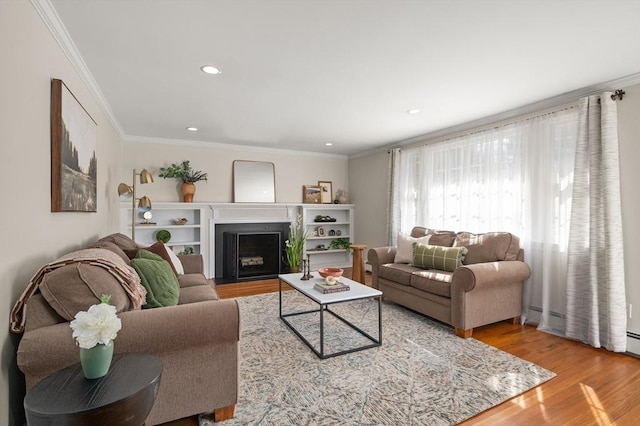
<point x="413" y="111"/>
<point x="192" y="129"/>
<point x="328" y="144"/>
<point x="210" y="69"/>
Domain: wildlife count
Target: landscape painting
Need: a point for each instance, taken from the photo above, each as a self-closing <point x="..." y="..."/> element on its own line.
<point x="74" y="165"/>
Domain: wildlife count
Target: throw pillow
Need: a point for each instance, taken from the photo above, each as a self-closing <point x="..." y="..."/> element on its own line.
<point x="175" y="261"/>
<point x="121" y="240"/>
<point x="438" y="257"/>
<point x="158" y="278"/>
<point x="111" y="247"/>
<point x="158" y="248"/>
<point x="404" y="252"/>
<point x="488" y="247"/>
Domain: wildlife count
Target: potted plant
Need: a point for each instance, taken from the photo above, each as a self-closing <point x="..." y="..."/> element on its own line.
<point x="294" y="246"/>
<point x="185" y="173"/>
<point x="340" y="243"/>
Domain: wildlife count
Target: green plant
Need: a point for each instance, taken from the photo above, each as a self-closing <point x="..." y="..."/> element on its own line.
<point x="186" y="251"/>
<point x="295" y="244"/>
<point x="340" y="243"/>
<point x="163" y="235"/>
<point x="182" y="171"/>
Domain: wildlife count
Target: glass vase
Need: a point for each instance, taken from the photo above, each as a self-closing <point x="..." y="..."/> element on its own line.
<point x="97" y="360"/>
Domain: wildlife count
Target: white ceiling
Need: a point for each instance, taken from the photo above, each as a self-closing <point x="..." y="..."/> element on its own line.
<point x="297" y="74"/>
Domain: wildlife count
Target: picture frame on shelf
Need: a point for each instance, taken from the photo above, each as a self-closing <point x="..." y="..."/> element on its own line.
<point x="322" y="232"/>
<point x="311" y="194"/>
<point x="326" y="191"/>
<point x="74" y="166"/>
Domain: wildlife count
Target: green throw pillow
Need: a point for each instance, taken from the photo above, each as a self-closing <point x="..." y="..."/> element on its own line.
<point x="438" y="257"/>
<point x="158" y="278"/>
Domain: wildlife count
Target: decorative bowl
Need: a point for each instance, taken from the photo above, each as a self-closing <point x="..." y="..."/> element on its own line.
<point x="333" y="272"/>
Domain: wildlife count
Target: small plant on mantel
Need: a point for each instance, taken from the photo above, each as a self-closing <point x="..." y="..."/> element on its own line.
<point x="185" y="173"/>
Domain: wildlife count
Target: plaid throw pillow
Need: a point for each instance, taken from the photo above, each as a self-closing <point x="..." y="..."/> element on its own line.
<point x="438" y="257"/>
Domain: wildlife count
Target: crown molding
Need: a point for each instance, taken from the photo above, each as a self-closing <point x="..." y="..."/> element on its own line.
<point x="229" y="146"/>
<point x="549" y="103"/>
<point x="52" y="20"/>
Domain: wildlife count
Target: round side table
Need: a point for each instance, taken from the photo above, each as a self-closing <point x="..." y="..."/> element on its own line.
<point x="124" y="396"/>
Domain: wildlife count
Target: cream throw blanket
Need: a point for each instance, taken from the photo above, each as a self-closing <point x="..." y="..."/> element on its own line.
<point x="125" y="274"/>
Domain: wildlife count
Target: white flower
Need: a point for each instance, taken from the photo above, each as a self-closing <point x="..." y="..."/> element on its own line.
<point x="99" y="324"/>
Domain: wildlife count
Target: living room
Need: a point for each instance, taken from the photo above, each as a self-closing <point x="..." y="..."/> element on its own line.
<point x="30" y="56"/>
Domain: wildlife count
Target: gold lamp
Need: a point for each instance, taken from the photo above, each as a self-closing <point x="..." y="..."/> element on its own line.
<point x="144" y="202"/>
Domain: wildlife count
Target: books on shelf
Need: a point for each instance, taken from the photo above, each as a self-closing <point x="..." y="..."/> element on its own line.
<point x="324" y="288"/>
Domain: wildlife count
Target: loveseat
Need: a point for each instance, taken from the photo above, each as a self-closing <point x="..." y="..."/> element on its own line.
<point x="462" y="279"/>
<point x="196" y="339"/>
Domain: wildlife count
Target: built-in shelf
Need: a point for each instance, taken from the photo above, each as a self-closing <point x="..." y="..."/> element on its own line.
<point x="204" y="218"/>
<point x="343" y="225"/>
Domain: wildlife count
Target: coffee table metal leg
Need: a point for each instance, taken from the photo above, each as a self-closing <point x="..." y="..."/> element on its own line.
<point x="321" y="331"/>
<point x="280" y="292"/>
<point x="379" y="321"/>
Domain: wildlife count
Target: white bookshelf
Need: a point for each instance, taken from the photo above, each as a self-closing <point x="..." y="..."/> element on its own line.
<point x="193" y="234"/>
<point x="342" y="227"/>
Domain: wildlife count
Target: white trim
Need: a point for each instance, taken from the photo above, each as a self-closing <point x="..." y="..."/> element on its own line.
<point x="52" y="20"/>
<point x="252" y="148"/>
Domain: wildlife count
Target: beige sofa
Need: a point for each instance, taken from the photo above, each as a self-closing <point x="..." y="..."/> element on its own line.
<point x="197" y="340"/>
<point x="485" y="288"/>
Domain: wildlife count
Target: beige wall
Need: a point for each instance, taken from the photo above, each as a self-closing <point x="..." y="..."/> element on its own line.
<point x="629" y="139"/>
<point x="368" y="180"/>
<point x="293" y="169"/>
<point x="31" y="234"/>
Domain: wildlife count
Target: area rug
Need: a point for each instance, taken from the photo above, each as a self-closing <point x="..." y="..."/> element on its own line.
<point x="423" y="374"/>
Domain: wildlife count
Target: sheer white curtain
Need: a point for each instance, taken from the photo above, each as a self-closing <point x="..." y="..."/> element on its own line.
<point x="596" y="306"/>
<point x="514" y="178"/>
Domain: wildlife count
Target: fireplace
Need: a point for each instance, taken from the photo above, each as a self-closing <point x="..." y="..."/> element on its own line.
<point x="252" y="255"/>
<point x="249" y="251"/>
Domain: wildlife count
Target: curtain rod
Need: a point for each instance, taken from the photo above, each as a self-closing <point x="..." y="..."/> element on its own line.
<point x="618" y="94"/>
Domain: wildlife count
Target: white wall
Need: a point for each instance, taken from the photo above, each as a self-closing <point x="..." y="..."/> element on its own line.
<point x="31" y="234"/>
<point x="293" y="169"/>
<point x="370" y="171"/>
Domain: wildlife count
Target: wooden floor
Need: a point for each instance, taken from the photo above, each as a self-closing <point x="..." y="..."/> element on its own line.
<point x="592" y="386"/>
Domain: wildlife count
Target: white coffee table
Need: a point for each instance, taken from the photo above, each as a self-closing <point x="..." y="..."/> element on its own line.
<point x="357" y="292"/>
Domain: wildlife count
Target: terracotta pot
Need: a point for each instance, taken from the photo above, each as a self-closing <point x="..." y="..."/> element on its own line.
<point x="188" y="191"/>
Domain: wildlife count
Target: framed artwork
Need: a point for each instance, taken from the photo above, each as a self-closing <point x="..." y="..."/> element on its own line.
<point x="311" y="194"/>
<point x="326" y="192"/>
<point x="74" y="166"/>
<point x="322" y="232"/>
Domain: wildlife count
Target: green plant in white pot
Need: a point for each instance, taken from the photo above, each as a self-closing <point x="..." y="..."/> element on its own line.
<point x="187" y="175"/>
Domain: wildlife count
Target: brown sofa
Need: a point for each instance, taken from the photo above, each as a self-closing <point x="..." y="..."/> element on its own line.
<point x="485" y="288"/>
<point x="197" y="339"/>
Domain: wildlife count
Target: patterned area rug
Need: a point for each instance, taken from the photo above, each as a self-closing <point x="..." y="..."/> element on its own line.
<point x="421" y="375"/>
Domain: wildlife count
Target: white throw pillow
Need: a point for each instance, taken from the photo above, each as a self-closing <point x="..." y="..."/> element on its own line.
<point x="175" y="260"/>
<point x="404" y="253"/>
